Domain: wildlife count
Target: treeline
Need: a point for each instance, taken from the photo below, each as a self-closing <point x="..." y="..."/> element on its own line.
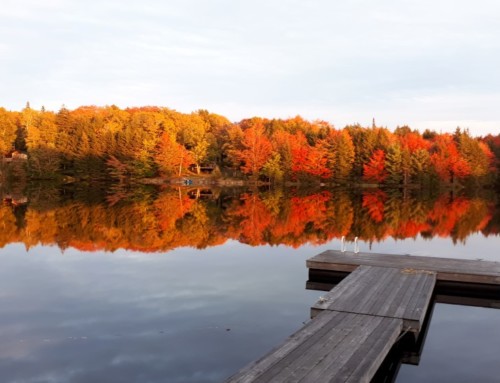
<point x="123" y="144"/>
<point x="178" y="218"/>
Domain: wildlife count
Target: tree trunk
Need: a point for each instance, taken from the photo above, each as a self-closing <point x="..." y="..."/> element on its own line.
<point x="180" y="165"/>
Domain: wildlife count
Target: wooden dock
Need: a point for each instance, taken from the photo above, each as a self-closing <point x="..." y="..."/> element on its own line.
<point x="383" y="292"/>
<point x="447" y="269"/>
<point x="358" y="322"/>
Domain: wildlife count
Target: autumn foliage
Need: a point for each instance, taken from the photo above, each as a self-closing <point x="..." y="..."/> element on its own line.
<point x="374" y="170"/>
<point x="256" y="149"/>
<point x="202" y="218"/>
<point x="110" y="143"/>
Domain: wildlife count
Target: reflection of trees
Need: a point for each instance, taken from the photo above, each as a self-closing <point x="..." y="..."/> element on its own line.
<point x="339" y="215"/>
<point x="8" y="229"/>
<point x="492" y="227"/>
<point x="446" y="213"/>
<point x="406" y="217"/>
<point x="252" y="218"/>
<point x="304" y="222"/>
<point x="460" y="217"/>
<point x="171" y="219"/>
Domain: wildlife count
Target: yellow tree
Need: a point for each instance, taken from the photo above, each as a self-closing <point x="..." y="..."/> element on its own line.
<point x="193" y="135"/>
<point x="217" y="135"/>
<point x="7" y="131"/>
<point x="147" y="123"/>
<point x="41" y="137"/>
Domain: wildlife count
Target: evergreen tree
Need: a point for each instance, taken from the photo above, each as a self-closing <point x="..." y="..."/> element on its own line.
<point x="420" y="165"/>
<point x="471" y="151"/>
<point x="44" y="158"/>
<point x="340" y="154"/>
<point x="394" y="164"/>
<point x="365" y="142"/>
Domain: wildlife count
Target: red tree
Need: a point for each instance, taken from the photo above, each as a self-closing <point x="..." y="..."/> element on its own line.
<point x="413" y="141"/>
<point x="308" y="159"/>
<point x="374" y="170"/>
<point x="446" y="158"/>
<point x="257" y="150"/>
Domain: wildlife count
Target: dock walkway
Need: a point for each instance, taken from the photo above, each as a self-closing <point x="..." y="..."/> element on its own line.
<point x="447" y="269"/>
<point x="358" y="322"/>
<point x="383" y="292"/>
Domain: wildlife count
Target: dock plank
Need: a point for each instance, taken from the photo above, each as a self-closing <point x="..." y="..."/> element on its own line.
<point x="447" y="269"/>
<point x="362" y="367"/>
<point x="304" y="360"/>
<point x="381" y="291"/>
<point x="252" y="371"/>
<point x="338" y="343"/>
<point x="440" y="297"/>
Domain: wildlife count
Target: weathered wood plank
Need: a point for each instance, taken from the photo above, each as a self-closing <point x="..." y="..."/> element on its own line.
<point x="380" y="291"/>
<point x="419" y="303"/>
<point x="447" y="269"/>
<point x="367" y="359"/>
<point x="341" y="342"/>
<point x="367" y="347"/>
<point x="454" y="293"/>
<point x="256" y="368"/>
<point x="306" y="359"/>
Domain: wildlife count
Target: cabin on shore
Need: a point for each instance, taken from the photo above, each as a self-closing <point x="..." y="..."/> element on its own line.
<point x="204" y="169"/>
<point x="15" y="155"/>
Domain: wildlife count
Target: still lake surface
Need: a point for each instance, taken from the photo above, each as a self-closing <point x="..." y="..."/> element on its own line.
<point x="191" y="285"/>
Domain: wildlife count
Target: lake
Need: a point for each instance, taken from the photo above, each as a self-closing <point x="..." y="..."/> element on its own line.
<point x="190" y="285"/>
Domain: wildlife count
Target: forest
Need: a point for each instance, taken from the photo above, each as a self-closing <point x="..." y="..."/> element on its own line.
<point x="122" y="145"/>
<point x="179" y="217"/>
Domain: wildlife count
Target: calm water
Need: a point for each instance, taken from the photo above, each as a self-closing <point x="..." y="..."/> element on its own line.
<point x="108" y="289"/>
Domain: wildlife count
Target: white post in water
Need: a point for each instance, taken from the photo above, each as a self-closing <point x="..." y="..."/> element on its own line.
<point x="356" y="246"/>
<point x="342" y="244"/>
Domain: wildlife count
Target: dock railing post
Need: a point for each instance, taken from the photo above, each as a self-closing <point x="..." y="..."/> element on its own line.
<point x="343" y="245"/>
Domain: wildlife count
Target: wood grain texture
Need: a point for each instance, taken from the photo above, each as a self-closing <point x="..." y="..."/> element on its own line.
<point x="336" y="346"/>
<point x="382" y="291"/>
<point x="447" y="269"/>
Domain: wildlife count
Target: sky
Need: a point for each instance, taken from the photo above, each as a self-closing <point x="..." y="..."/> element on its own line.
<point x="429" y="64"/>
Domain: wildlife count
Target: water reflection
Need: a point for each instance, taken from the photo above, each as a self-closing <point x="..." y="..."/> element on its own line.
<point x="134" y="315"/>
<point x="459" y="347"/>
<point x="172" y="218"/>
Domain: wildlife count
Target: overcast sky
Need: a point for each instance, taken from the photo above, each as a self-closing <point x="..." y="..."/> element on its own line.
<point x="430" y="64"/>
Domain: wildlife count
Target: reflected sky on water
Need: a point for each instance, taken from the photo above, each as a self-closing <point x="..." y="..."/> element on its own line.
<point x="462" y="345"/>
<point x="190" y="315"/>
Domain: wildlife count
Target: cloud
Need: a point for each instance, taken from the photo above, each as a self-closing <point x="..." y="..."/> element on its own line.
<point x="356" y="58"/>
